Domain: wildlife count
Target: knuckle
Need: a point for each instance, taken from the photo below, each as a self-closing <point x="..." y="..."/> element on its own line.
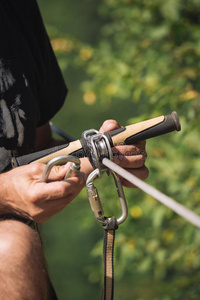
<point x="37" y="167"/>
<point x="110" y="125"/>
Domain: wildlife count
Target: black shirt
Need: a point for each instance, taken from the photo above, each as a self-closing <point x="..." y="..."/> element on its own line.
<point x="32" y="89"/>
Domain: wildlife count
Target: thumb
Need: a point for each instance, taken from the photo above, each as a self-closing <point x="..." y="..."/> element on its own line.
<point x="58" y="172"/>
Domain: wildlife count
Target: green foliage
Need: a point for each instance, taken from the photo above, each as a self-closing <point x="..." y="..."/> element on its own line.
<point x="148" y="52"/>
<point x="145" y="62"/>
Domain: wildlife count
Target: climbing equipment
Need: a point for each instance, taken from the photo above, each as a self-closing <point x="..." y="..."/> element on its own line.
<point x="110" y="225"/>
<point x="126" y="135"/>
<point x="167" y="201"/>
<point x="95" y="202"/>
<point x="100" y="160"/>
<point x="60" y="160"/>
<point x="97" y="147"/>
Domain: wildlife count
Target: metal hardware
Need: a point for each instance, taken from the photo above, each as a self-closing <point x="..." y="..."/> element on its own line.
<point x="60" y="160"/>
<point x="97" y="146"/>
<point x="95" y="202"/>
<point x="73" y="170"/>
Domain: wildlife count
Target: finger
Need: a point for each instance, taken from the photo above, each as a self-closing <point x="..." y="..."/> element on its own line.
<point x="127" y="150"/>
<point x="130" y="162"/>
<point x="53" y="197"/>
<point x="129" y="156"/>
<point x="43" y="214"/>
<point x="109" y="125"/>
<point x="141" y="144"/>
<point x="141" y="173"/>
<point x="54" y="206"/>
<point x="58" y="172"/>
<point x="50" y="207"/>
<point x="58" y="189"/>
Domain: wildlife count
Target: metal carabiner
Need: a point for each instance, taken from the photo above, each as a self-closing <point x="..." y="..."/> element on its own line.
<point x="95" y="202"/>
<point x="60" y="160"/>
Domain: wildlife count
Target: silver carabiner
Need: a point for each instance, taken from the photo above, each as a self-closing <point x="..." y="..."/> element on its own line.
<point x="95" y="202"/>
<point x="60" y="160"/>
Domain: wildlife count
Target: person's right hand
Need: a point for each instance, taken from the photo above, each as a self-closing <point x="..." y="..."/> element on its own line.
<point x="21" y="189"/>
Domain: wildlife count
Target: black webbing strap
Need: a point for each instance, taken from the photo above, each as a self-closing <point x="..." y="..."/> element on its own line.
<point x="15" y="217"/>
<point x="108" y="257"/>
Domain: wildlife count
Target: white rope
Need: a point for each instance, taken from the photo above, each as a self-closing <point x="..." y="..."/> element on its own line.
<point x="167" y="201"/>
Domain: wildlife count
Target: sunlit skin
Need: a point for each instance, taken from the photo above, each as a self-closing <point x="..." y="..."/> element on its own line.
<point x="23" y="269"/>
<point x="22" y="189"/>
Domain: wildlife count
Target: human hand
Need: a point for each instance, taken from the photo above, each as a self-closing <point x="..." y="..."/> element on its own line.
<point x="130" y="157"/>
<point x="23" y="191"/>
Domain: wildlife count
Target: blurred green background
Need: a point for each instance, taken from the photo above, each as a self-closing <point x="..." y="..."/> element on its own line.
<point x="130" y="60"/>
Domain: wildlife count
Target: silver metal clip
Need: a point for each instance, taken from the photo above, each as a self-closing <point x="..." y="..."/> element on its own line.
<point x="60" y="160"/>
<point x="95" y="202"/>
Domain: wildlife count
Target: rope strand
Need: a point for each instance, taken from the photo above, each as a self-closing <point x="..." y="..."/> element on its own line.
<point x="167" y="201"/>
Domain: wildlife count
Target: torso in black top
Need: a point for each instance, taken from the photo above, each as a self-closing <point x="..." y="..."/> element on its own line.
<point x="32" y="89"/>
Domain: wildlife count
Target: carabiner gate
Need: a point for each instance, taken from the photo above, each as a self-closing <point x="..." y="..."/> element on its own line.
<point x="60" y="160"/>
<point x="95" y="202"/>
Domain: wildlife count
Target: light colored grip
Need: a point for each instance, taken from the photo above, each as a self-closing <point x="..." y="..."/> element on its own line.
<point x="72" y="147"/>
<point x="135" y="128"/>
